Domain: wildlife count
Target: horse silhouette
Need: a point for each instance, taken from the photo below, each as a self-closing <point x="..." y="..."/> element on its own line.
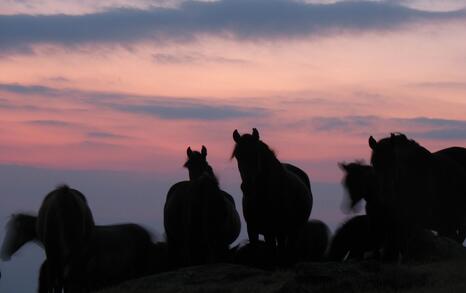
<point x="354" y="239"/>
<point x="312" y="244"/>
<point x="64" y="226"/>
<point x="419" y="189"/>
<point x="277" y="198"/>
<point x="200" y="219"/>
<point x="113" y="254"/>
<point x="117" y="253"/>
<point x="313" y="241"/>
<point x="360" y="183"/>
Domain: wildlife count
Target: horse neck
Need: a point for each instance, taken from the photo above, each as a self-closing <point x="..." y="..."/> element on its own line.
<point x="271" y="167"/>
<point x="208" y="169"/>
<point x="371" y="185"/>
<point x="28" y="233"/>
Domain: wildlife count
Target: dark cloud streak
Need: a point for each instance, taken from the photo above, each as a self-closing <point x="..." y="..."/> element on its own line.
<point x="239" y="19"/>
<point x="157" y="106"/>
<point x="417" y="127"/>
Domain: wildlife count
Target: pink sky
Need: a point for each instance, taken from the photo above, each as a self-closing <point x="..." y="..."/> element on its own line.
<point x="315" y="96"/>
<point x="127" y="86"/>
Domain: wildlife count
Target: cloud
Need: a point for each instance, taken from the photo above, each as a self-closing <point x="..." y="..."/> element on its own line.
<point x="157" y="106"/>
<point x="238" y="19"/>
<point x="165" y="58"/>
<point x="417" y="127"/>
<point x="55" y="123"/>
<point x="104" y="134"/>
<point x="183" y="110"/>
<point x="441" y="85"/>
<point x="28" y="89"/>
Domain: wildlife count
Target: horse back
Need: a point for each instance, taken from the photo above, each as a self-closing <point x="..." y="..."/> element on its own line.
<point x="457" y="154"/>
<point x="64" y="221"/>
<point x="299" y="173"/>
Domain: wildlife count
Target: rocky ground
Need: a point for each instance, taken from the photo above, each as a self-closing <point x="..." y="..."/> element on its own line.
<point x="444" y="270"/>
<point x="367" y="276"/>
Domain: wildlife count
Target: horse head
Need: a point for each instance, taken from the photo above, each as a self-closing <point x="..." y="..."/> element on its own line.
<point x="197" y="163"/>
<point x="402" y="171"/>
<point x="358" y="181"/>
<point x="248" y="153"/>
<point x="20" y="229"/>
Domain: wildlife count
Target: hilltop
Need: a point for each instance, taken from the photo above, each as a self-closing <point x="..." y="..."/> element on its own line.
<point x="366" y="276"/>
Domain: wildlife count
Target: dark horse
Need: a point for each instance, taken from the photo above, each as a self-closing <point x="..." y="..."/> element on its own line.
<point x="200" y="219"/>
<point x="277" y="198"/>
<point x="64" y="227"/>
<point x="117" y="253"/>
<point x="354" y="239"/>
<point x="129" y="244"/>
<point x="419" y="189"/>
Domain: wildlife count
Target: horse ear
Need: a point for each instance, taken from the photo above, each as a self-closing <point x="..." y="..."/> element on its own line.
<point x="372" y="143"/>
<point x="255" y="133"/>
<point x="189" y="152"/>
<point x="204" y="151"/>
<point x="236" y="135"/>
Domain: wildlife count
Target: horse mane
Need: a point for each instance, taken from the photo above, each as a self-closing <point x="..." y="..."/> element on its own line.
<point x="263" y="146"/>
<point x="65" y="188"/>
<point x="208" y="176"/>
<point x="209" y="170"/>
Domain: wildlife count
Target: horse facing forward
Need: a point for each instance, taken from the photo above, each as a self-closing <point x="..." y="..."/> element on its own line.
<point x="200" y="219"/>
<point x="277" y="198"/>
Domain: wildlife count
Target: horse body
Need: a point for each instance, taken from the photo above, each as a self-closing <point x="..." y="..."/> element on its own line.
<point x="420" y="189"/>
<point x="120" y="252"/>
<point x="354" y="239"/>
<point x="200" y="219"/>
<point x="277" y="200"/>
<point x="64" y="226"/>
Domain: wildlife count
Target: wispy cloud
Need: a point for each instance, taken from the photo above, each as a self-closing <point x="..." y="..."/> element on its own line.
<point x="157" y="106"/>
<point x="239" y="19"/>
<point x="189" y="58"/>
<point x="422" y="127"/>
<point x="196" y="111"/>
<point x="104" y="135"/>
<point x="54" y="123"/>
<point x="441" y="85"/>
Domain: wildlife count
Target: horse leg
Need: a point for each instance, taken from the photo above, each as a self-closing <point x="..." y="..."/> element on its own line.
<point x="252" y="235"/>
<point x="283" y="253"/>
<point x="44" y="284"/>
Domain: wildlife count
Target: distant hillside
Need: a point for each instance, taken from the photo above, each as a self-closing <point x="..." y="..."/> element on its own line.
<point x="368" y="276"/>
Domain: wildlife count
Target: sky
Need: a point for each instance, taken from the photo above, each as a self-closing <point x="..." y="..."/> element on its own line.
<point x="107" y="95"/>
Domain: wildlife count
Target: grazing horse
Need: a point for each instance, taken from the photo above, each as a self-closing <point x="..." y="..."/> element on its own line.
<point x="200" y="219"/>
<point x="117" y="253"/>
<point x="419" y="189"/>
<point x="130" y="244"/>
<point x="64" y="227"/>
<point x="353" y="240"/>
<point x="277" y="198"/>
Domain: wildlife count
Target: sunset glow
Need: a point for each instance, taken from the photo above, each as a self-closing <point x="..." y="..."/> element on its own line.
<point x="129" y="85"/>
